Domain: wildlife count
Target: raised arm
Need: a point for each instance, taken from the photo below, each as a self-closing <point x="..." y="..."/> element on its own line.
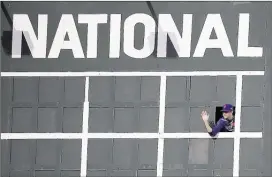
<point x="212" y="130"/>
<point x="205" y="117"/>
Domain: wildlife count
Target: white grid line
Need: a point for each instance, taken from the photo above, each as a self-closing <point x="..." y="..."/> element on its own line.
<point x="161" y="126"/>
<point x="84" y="136"/>
<point x="236" y="149"/>
<point x="91" y="74"/>
<point x="85" y="129"/>
<point x="222" y="135"/>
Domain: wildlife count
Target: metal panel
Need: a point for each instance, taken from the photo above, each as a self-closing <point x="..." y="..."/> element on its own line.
<point x="147" y="173"/>
<point x="251" y="153"/>
<point x="266" y="157"/>
<point x="74" y="90"/>
<point x="200" y="172"/>
<point x="127" y="89"/>
<point x="72" y="120"/>
<point x="176" y="89"/>
<point x="174" y="173"/>
<point x="176" y="120"/>
<point x="147" y="158"/>
<point x="124" y="120"/>
<point x="6" y="99"/>
<point x="71" y="154"/>
<point x="253" y="88"/>
<point x="176" y="153"/>
<point x="225" y="89"/>
<point x="202" y="89"/>
<point x="199" y="151"/>
<point x="123" y="157"/>
<point x="222" y="172"/>
<point x="223" y="153"/>
<point x="250" y="172"/>
<point x="20" y="173"/>
<point x="122" y="173"/>
<point x="49" y="89"/>
<point x="126" y="64"/>
<point x="5" y="158"/>
<point x="47" y="156"/>
<point x="22" y="120"/>
<point x="70" y="173"/>
<point x="149" y="120"/>
<point x="150" y="89"/>
<point x="25" y="90"/>
<point x="95" y="173"/>
<point x="252" y="119"/>
<point x="100" y="90"/>
<point x="47" y="120"/>
<point x="45" y="173"/>
<point x="21" y="155"/>
<point x="99" y="153"/>
<point x="101" y="120"/>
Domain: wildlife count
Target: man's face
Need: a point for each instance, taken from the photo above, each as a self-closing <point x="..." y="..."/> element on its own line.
<point x="227" y="115"/>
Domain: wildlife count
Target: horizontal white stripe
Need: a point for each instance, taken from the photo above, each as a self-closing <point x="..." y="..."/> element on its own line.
<point x="88" y="74"/>
<point x="5" y="136"/>
<point x="143" y="0"/>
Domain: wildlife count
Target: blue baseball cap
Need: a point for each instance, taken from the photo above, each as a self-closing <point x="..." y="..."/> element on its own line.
<point x="227" y="108"/>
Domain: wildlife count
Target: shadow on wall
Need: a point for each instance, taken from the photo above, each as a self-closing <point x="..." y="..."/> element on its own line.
<point x="6" y="38"/>
<point x="170" y="49"/>
<point x="6" y="41"/>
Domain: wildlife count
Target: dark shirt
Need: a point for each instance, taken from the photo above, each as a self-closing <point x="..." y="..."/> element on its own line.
<point x="223" y="125"/>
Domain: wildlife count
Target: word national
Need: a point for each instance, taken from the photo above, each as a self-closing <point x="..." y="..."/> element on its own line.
<point x="165" y="27"/>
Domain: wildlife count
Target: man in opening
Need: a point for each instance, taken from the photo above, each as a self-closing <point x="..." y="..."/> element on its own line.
<point x="224" y="124"/>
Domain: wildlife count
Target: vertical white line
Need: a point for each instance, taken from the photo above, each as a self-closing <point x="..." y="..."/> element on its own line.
<point x="161" y="127"/>
<point x="237" y="131"/>
<point x="85" y="126"/>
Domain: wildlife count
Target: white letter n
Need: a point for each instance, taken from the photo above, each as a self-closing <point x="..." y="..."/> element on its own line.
<point x="37" y="45"/>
